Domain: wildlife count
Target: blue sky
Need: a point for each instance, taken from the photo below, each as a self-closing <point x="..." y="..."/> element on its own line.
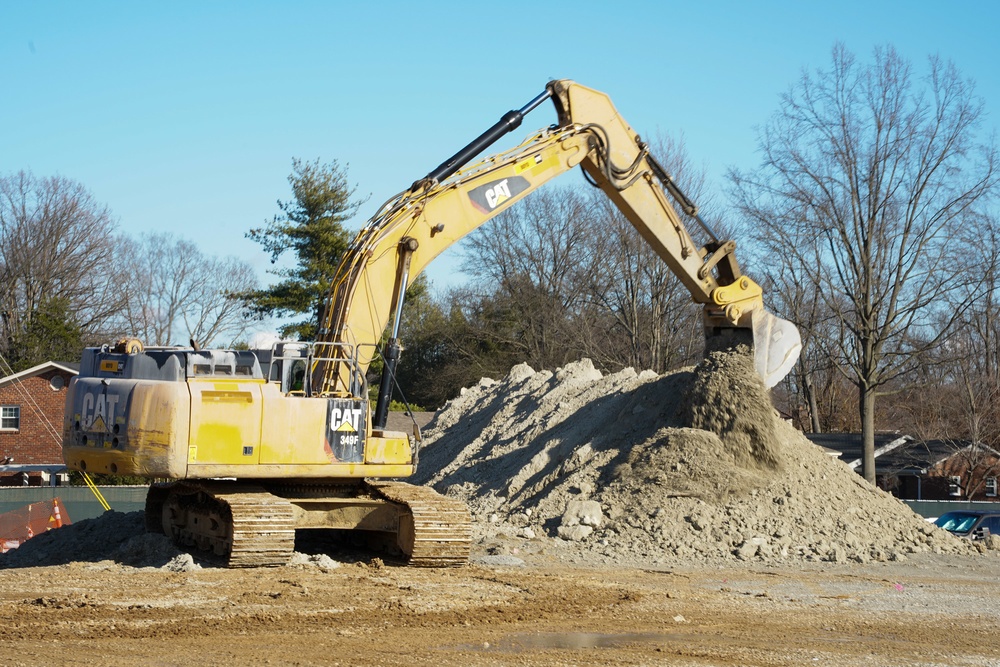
<point x="184" y="116"/>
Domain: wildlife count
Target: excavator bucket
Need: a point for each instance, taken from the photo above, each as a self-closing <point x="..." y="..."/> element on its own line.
<point x="776" y="345"/>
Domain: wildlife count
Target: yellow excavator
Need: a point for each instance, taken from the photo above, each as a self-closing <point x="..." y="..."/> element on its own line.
<point x="259" y="445"/>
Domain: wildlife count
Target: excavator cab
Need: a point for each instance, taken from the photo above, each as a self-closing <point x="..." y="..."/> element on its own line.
<point x="287" y="366"/>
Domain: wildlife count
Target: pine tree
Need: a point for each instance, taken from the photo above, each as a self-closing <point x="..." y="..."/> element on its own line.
<point x="311" y="226"/>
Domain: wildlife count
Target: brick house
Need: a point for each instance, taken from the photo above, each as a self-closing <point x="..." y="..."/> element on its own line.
<point x="32" y="404"/>
<point x="942" y="470"/>
<point x="913" y="469"/>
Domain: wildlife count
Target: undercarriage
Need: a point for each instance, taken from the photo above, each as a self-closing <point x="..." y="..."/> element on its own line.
<point x="253" y="524"/>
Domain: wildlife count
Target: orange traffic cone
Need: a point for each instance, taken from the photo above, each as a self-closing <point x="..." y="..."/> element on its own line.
<point x="56" y="517"/>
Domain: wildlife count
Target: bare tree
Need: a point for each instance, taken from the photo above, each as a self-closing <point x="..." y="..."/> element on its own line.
<point x="968" y="361"/>
<point x="652" y="311"/>
<point x="57" y="244"/>
<point x="534" y="254"/>
<point x="867" y="175"/>
<point x="565" y="275"/>
<point x="177" y="294"/>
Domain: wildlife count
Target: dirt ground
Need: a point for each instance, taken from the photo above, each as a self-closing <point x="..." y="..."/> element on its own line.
<point x="933" y="609"/>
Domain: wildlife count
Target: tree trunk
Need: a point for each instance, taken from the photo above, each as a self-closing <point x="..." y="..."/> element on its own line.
<point x="867" y="409"/>
<point x="810" y="391"/>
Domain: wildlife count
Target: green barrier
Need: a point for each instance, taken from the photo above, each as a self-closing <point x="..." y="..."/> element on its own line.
<point x="81" y="504"/>
<point x="932" y="509"/>
<point x="79" y="501"/>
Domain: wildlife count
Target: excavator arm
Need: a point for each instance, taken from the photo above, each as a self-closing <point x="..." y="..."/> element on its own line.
<point x="414" y="227"/>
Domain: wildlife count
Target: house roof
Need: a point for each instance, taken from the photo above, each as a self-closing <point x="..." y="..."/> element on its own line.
<point x="849" y="447"/>
<point x="42" y="368"/>
<point x="919" y="456"/>
<point x="894" y="453"/>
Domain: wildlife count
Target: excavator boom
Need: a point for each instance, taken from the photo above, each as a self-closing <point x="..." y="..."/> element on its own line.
<point x="414" y="227"/>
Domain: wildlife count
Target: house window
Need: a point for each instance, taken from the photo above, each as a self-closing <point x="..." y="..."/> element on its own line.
<point x="10" y="417"/>
<point x="955" y="486"/>
<point x="991" y="486"/>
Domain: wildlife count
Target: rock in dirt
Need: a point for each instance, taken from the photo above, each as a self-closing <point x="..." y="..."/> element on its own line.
<point x="181" y="563"/>
<point x="583" y="512"/>
<point x="321" y="561"/>
<point x="574" y="533"/>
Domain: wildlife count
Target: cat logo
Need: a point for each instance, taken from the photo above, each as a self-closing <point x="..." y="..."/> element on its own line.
<point x="498" y="194"/>
<point x="97" y="411"/>
<point x="346" y="424"/>
<point x="492" y="195"/>
<point x="347" y="419"/>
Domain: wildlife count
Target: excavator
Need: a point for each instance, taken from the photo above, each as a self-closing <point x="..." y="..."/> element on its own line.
<point x="246" y="448"/>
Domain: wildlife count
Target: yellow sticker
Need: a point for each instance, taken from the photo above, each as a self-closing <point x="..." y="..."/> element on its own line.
<point x="525" y="165"/>
<point x="110" y="366"/>
<point x="547" y="163"/>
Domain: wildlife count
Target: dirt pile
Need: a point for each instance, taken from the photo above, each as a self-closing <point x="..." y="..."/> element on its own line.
<point x="694" y="465"/>
<point x="121" y="538"/>
<point x="116" y="536"/>
<point x="727" y="398"/>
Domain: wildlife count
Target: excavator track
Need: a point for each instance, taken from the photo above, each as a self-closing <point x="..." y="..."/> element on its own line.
<point x="245" y="525"/>
<point x="435" y="531"/>
<point x="241" y="525"/>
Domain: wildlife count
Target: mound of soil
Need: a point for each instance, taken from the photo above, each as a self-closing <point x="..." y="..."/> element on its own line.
<point x="694" y="465"/>
<point x="116" y="536"/>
